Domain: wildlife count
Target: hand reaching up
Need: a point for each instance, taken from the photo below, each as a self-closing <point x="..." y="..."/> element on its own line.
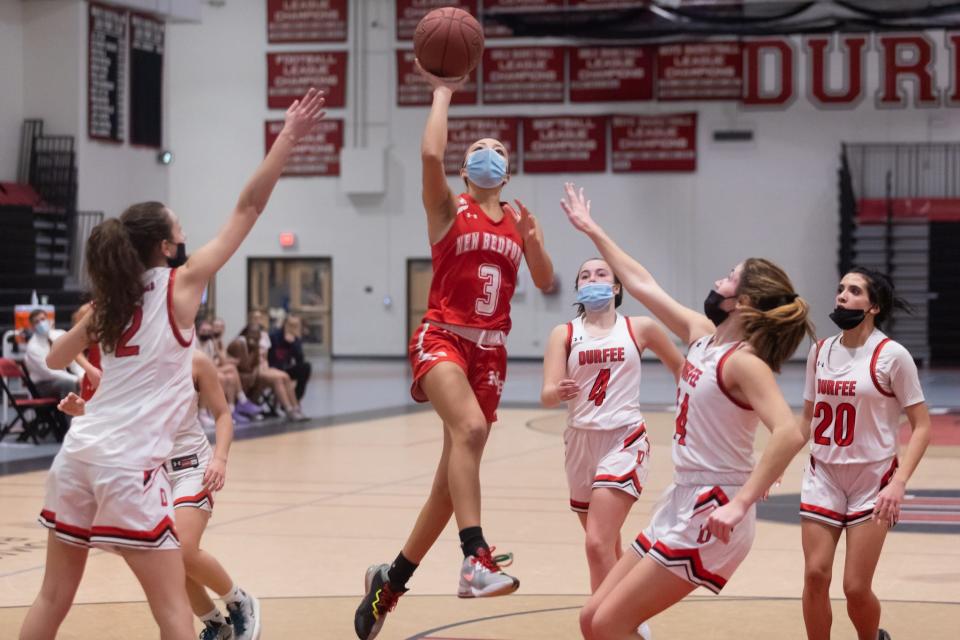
<point x="304" y="114"/>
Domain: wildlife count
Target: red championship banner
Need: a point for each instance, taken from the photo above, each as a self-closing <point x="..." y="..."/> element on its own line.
<point x="462" y="132"/>
<point x="522" y="74"/>
<point x="297" y="21"/>
<point x="316" y="155"/>
<point x="413" y="90"/>
<point x="409" y="13"/>
<point x="611" y="74"/>
<point x="699" y="71"/>
<point x="565" y="144"/>
<point x="654" y="143"/>
<point x="290" y="74"/>
<point x="493" y="29"/>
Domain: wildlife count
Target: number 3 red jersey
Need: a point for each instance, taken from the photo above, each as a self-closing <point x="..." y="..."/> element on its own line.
<point x="475" y="269"/>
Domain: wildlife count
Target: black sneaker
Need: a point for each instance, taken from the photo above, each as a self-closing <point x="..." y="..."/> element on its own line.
<point x="883" y="635"/>
<point x="376" y="604"/>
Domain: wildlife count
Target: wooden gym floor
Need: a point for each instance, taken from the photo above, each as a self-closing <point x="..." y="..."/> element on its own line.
<point x="305" y="512"/>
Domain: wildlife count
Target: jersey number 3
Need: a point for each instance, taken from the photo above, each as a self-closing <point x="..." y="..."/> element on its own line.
<point x="490" y="274"/>
<point x="124" y="349"/>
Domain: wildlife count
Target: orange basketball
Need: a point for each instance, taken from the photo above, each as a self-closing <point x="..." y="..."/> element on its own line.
<point x="448" y="42"/>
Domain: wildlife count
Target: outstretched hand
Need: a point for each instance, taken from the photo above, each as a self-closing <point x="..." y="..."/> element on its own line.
<point x="435" y="82"/>
<point x="304" y="114"/>
<point x="577" y="208"/>
<point x="527" y="225"/>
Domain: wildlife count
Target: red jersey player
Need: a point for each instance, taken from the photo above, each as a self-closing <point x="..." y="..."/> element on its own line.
<point x="458" y="354"/>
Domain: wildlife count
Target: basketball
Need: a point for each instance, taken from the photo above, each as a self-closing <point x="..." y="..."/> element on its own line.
<point x="448" y="42"/>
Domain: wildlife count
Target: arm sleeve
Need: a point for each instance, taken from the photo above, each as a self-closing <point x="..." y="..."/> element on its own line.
<point x="897" y="372"/>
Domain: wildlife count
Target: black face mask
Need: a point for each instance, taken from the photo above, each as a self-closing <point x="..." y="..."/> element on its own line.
<point x="181" y="258"/>
<point x="847" y="319"/>
<point x="711" y="307"/>
<point x="204" y="336"/>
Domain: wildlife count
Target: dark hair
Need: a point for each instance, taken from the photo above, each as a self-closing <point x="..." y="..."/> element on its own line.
<point x="880" y="291"/>
<point x="34" y="314"/>
<point x="618" y="297"/>
<point x="119" y="251"/>
<point x="777" y="319"/>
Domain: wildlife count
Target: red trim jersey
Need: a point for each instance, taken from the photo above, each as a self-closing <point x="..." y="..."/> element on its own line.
<point x="714" y="432"/>
<point x="607" y="370"/>
<point x="475" y="269"/>
<point x="146" y="392"/>
<point x="93" y="357"/>
<point x="858" y="396"/>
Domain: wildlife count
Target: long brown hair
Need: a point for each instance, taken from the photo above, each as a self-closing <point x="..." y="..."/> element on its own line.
<point x="777" y="320"/>
<point x="119" y="251"/>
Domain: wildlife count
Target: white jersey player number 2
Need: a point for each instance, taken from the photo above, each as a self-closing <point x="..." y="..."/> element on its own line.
<point x="490" y="274"/>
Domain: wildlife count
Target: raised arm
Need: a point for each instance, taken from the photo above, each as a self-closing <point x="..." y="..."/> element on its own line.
<point x="754" y="379"/>
<point x="438" y="201"/>
<point x="212" y="397"/>
<point x="535" y="254"/>
<point x="302" y="116"/>
<point x="557" y="386"/>
<point x="651" y="335"/>
<point x="684" y="322"/>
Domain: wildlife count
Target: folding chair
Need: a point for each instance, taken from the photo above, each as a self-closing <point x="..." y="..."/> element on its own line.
<point x="46" y="418"/>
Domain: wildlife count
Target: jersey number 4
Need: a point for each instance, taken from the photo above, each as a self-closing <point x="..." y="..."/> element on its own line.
<point x="598" y="393"/>
<point x="843" y="423"/>
<point x="681" y="433"/>
<point x="124" y="348"/>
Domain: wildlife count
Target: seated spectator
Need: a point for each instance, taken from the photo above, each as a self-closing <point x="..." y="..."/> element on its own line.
<point x="55" y="383"/>
<point x="227" y="374"/>
<point x="256" y="375"/>
<point x="286" y="353"/>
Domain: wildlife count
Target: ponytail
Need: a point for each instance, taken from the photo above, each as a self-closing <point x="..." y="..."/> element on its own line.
<point x="778" y="318"/>
<point x="118" y="253"/>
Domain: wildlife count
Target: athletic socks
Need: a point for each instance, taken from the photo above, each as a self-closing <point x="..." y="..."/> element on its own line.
<point x="213" y="617"/>
<point x="399" y="573"/>
<point x="234" y="595"/>
<point x="471" y="539"/>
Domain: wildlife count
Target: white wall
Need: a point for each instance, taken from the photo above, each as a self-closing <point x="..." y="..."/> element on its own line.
<point x="774" y="197"/>
<point x="111" y="176"/>
<point x="11" y="79"/>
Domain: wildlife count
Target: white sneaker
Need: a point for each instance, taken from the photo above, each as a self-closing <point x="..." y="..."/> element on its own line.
<point x="245" y="617"/>
<point x="644" y="631"/>
<point x="482" y="577"/>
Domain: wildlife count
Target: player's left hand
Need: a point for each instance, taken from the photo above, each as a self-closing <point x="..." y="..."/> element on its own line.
<point x="527" y="225"/>
<point x="888" y="503"/>
<point x="215" y="475"/>
<point x="722" y="521"/>
<point x="93" y="378"/>
<point x="72" y="405"/>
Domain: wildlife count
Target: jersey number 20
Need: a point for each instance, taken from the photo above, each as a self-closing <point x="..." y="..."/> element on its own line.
<point x="843" y="423"/>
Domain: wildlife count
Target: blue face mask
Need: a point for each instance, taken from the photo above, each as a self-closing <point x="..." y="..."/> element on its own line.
<point x="486" y="168"/>
<point x="595" y="296"/>
<point x="42" y="328"/>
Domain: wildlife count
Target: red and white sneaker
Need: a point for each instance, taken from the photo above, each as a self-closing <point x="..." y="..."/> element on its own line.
<point x="482" y="577"/>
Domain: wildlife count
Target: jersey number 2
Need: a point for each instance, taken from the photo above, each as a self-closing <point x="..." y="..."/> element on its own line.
<point x="124" y="349"/>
